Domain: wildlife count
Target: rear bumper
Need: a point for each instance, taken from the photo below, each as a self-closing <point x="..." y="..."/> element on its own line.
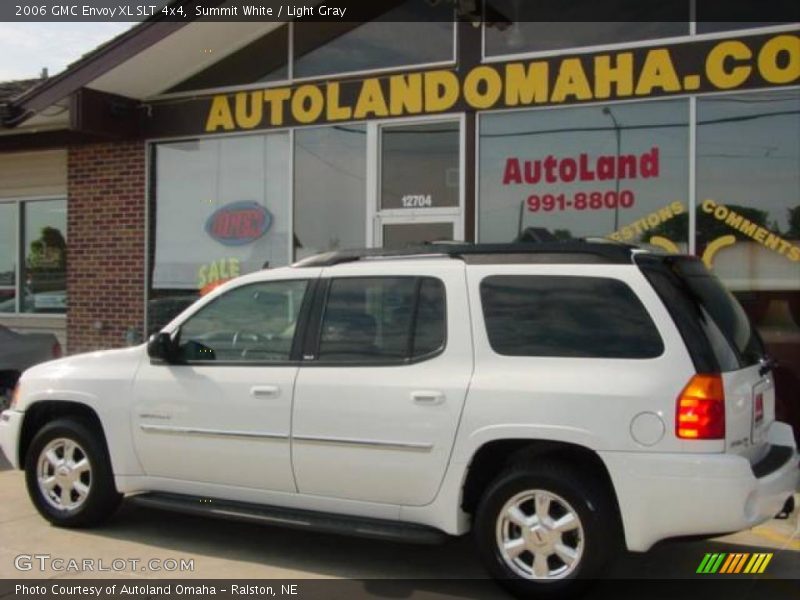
<point x="670" y="495"/>
<point x="10" y="426"/>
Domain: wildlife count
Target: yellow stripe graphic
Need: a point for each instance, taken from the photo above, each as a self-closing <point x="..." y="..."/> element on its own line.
<point x="753" y="561"/>
<point x="767" y="558"/>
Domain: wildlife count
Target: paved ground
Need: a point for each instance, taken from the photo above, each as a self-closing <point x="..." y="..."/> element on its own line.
<point x="235" y="550"/>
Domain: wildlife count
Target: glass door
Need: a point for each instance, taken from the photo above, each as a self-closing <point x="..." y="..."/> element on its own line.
<point x="419" y="185"/>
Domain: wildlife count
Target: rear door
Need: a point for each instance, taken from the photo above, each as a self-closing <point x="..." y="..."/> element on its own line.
<point x="379" y="394"/>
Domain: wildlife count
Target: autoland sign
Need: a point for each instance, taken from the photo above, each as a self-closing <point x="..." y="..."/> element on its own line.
<point x="660" y="70"/>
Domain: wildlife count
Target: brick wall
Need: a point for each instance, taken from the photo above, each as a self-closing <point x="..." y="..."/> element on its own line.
<point x="106" y="233"/>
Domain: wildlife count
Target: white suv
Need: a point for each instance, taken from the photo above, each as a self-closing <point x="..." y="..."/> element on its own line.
<point x="559" y="400"/>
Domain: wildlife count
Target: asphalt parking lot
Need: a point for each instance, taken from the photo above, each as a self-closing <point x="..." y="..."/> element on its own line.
<point x="223" y="549"/>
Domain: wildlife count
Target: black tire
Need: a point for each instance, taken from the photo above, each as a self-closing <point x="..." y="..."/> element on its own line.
<point x="596" y="541"/>
<point x="100" y="499"/>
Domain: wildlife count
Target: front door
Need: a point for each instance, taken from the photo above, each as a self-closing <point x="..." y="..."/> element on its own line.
<point x="380" y="392"/>
<point x="221" y="414"/>
<point x="418" y="191"/>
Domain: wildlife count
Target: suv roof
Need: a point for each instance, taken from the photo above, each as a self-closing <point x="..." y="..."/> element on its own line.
<point x="570" y="251"/>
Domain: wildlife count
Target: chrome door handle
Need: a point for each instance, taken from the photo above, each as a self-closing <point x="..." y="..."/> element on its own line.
<point x="265" y="391"/>
<point x="427" y="397"/>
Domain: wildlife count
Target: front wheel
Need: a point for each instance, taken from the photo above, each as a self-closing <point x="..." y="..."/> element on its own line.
<point x="545" y="529"/>
<point x="69" y="475"/>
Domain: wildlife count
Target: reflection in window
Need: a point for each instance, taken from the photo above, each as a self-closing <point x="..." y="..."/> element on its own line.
<point x="519" y="26"/>
<point x="404" y="235"/>
<point x="330" y="204"/>
<point x="44" y="279"/>
<point x="250" y="323"/>
<point x="8" y="257"/>
<point x="419" y="166"/>
<point x="748" y="214"/>
<point x="206" y="192"/>
<point x="382" y="319"/>
<point x="412" y="33"/>
<point x="619" y="170"/>
<point x="220" y="209"/>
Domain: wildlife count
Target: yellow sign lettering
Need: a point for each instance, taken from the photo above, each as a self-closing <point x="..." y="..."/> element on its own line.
<point x="441" y="90"/>
<point x="571" y="81"/>
<point x="482" y="87"/>
<point x="657" y="72"/>
<point x="769" y="59"/>
<point x="621" y="75"/>
<point x="371" y="101"/>
<point x="276" y="97"/>
<point x="336" y="112"/>
<point x="717" y="59"/>
<point x="307" y="103"/>
<point x="247" y="119"/>
<point x="405" y="94"/>
<point x="220" y="115"/>
<point x="526" y="86"/>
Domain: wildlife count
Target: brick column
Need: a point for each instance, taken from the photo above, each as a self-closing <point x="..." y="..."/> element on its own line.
<point x="106" y="238"/>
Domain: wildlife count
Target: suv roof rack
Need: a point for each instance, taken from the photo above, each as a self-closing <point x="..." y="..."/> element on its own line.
<point x="569" y="251"/>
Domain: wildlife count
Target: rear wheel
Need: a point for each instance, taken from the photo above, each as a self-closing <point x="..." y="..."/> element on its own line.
<point x="546" y="529"/>
<point x="69" y="475"/>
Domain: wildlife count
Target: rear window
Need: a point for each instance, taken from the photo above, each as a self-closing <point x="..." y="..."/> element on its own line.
<point x="733" y="340"/>
<point x="586" y="317"/>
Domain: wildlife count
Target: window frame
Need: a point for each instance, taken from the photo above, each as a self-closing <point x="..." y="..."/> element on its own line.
<point x="296" y="345"/>
<point x="19" y="248"/>
<point x="291" y="79"/>
<point x="560" y="275"/>
<point x="452" y="61"/>
<point x="313" y="336"/>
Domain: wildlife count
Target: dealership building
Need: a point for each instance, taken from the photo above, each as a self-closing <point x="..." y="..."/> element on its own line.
<point x="181" y="154"/>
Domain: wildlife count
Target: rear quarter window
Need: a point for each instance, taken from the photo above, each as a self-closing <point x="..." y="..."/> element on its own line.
<point x="566" y="316"/>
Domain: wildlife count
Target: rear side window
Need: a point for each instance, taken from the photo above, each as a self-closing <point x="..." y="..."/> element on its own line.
<point x="382" y="319"/>
<point x="586" y="317"/>
<point x="733" y="340"/>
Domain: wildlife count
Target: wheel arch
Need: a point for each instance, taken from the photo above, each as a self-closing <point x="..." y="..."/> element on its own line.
<point x="497" y="455"/>
<point x="38" y="414"/>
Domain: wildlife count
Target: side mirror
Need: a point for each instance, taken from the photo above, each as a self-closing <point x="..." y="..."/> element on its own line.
<point x="161" y="347"/>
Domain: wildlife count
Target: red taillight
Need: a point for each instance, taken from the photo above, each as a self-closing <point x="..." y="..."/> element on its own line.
<point x="700" y="414"/>
<point x="758" y="409"/>
<point x="56" y="350"/>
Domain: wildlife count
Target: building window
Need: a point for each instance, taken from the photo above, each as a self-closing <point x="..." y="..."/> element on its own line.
<point x="748" y="213"/>
<point x="619" y="170"/>
<point x="220" y="208"/>
<point x="8" y="257"/>
<point x="264" y="60"/>
<point x="518" y="27"/>
<point x="41" y="256"/>
<point x="330" y="206"/>
<point x="412" y="33"/>
<point x="419" y="165"/>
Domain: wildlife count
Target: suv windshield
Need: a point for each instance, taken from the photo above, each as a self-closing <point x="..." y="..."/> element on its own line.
<point x="733" y="340"/>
